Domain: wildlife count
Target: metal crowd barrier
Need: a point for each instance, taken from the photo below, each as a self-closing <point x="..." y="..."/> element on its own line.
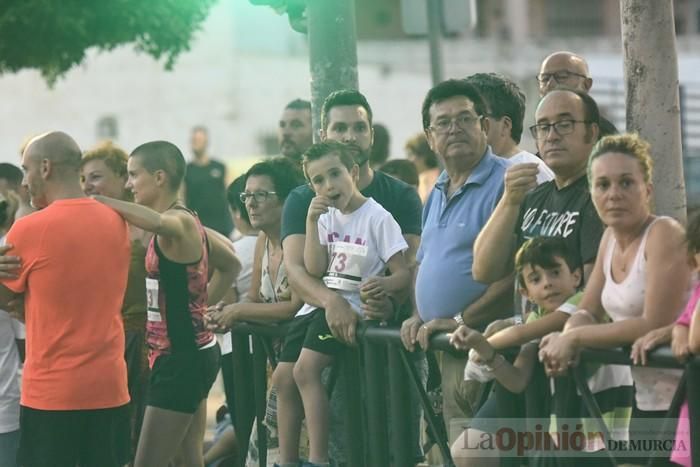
<point x="377" y="432"/>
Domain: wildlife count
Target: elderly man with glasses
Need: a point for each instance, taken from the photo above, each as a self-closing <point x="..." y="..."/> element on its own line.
<point x="566" y="129"/>
<point x="464" y="196"/>
<point x="566" y="70"/>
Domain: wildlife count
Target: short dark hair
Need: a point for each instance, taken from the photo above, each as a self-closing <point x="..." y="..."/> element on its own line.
<point x="590" y="107"/>
<point x="692" y="235"/>
<point x="344" y="97"/>
<point x="284" y="173"/>
<point x="379" y="153"/>
<point x="451" y="88"/>
<point x="542" y="251"/>
<point x="402" y="169"/>
<point x="327" y="148"/>
<point x="503" y="98"/>
<point x="419" y="146"/>
<point x="12" y="174"/>
<point x="165" y="156"/>
<point x="233" y="197"/>
<point x="299" y="104"/>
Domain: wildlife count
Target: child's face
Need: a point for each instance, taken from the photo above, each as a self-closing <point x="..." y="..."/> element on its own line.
<point x="330" y="178"/>
<point x="549" y="288"/>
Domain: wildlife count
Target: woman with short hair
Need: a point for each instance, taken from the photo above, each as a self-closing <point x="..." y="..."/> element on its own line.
<point x="183" y="353"/>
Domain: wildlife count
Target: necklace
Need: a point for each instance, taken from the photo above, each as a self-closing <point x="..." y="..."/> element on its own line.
<point x="624" y="253"/>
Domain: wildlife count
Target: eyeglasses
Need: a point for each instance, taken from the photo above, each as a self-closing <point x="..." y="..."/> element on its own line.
<point x="559" y="76"/>
<point x="464" y="121"/>
<point x="258" y="196"/>
<point x="562" y="128"/>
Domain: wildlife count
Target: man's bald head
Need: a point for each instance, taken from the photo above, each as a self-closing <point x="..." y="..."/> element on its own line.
<point x="564" y="68"/>
<point x="56" y="147"/>
<point x="51" y="164"/>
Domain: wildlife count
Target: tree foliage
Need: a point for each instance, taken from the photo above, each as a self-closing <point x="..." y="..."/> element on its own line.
<point x="53" y="35"/>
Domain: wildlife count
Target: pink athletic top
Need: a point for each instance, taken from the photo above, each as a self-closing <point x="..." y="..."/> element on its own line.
<point x="177" y="301"/>
<point x="682" y="456"/>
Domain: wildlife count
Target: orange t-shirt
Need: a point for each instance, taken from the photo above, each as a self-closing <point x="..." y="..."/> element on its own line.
<point x="75" y="261"/>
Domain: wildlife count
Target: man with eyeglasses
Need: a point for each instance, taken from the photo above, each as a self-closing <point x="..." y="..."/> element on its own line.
<point x="464" y="197"/>
<point x="565" y="131"/>
<point x="566" y="70"/>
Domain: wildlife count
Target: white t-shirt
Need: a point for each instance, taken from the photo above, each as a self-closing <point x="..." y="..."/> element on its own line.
<point x="10" y="372"/>
<point x="359" y="246"/>
<point x="245" y="250"/>
<point x="244" y="247"/>
<point x="544" y="175"/>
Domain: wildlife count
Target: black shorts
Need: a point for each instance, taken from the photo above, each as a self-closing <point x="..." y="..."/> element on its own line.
<point x="66" y="438"/>
<point x="180" y="381"/>
<point x="310" y="331"/>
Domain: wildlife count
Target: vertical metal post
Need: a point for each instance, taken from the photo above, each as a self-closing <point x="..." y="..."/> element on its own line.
<point x="332" y="51"/>
<point x="434" y="12"/>
<point x="431" y="418"/>
<point x="377" y="432"/>
<point x="259" y="378"/>
<point x="399" y="406"/>
<point x="244" y="392"/>
<point x="355" y="446"/>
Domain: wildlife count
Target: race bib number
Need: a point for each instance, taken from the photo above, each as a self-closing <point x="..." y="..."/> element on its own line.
<point x="152" y="300"/>
<point x="345" y="266"/>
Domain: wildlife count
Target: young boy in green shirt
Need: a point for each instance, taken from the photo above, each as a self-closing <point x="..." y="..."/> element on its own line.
<point x="548" y="276"/>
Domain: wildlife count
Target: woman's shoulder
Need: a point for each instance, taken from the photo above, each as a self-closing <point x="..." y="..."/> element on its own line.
<point x="665" y="228"/>
<point x="665" y="234"/>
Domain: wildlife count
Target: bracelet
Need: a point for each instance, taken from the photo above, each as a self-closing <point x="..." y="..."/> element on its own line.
<point x="459" y="319"/>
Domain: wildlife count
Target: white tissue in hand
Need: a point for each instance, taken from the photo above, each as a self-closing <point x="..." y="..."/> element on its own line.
<point x="475" y="371"/>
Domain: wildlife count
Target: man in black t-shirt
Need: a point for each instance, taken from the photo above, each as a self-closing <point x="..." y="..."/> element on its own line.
<point x="347" y="117"/>
<point x="205" y="185"/>
<point x="566" y="129"/>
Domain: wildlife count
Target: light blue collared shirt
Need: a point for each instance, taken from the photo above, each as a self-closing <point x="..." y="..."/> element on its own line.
<point x="444" y="285"/>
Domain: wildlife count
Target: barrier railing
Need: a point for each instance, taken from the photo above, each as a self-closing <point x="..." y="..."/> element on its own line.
<point x="377" y="432"/>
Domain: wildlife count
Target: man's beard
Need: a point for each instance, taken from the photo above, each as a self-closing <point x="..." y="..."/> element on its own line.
<point x="294" y="153"/>
<point x="358" y="154"/>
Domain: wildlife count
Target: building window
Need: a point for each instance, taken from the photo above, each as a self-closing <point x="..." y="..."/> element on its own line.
<point x="574" y="18"/>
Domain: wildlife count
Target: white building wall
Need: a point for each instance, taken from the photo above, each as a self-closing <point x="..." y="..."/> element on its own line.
<point x="243" y="67"/>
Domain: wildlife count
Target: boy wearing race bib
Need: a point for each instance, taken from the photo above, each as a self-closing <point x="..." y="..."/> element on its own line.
<point x="350" y="242"/>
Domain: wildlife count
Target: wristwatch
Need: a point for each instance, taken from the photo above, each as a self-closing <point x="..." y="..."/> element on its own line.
<point x="459" y="319"/>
